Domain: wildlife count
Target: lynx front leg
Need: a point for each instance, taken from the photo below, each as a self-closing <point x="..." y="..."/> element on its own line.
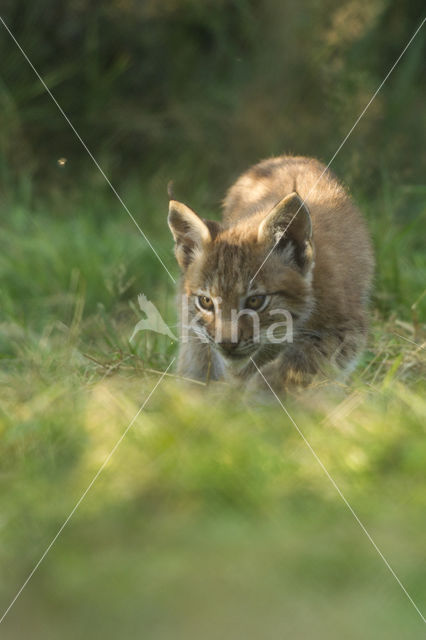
<point x="198" y="361"/>
<point x="280" y="375"/>
<point x="329" y="356"/>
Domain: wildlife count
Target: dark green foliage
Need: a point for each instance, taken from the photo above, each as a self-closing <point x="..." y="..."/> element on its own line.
<point x="207" y="88"/>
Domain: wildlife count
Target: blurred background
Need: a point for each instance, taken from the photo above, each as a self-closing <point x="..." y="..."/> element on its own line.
<point x="212" y="523"/>
<point x="182" y="87"/>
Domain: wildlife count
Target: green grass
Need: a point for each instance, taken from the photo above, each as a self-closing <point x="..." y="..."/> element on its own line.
<point x="212" y="519"/>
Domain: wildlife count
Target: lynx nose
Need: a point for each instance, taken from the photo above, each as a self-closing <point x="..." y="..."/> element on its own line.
<point x="227" y="346"/>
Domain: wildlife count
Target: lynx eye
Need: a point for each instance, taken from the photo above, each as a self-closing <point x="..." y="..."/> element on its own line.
<point x="206" y="303"/>
<point x="255" y="302"/>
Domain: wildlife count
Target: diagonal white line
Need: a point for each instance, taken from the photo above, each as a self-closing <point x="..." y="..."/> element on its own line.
<point x="419" y="346"/>
<point x="98" y="166"/>
<point x="333" y="482"/>
<point x="344" y="141"/>
<point x="86" y="491"/>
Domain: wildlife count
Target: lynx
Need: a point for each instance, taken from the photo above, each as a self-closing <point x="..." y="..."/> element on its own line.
<point x="291" y="243"/>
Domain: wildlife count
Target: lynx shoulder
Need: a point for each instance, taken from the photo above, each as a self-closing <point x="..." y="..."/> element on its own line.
<point x="280" y="285"/>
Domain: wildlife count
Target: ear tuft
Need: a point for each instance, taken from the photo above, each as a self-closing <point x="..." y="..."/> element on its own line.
<point x="288" y="228"/>
<point x="191" y="234"/>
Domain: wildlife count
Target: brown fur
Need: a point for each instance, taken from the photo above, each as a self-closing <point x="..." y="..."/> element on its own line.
<point x="320" y="271"/>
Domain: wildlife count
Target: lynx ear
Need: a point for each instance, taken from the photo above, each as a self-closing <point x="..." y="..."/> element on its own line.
<point x="288" y="228"/>
<point x="191" y="233"/>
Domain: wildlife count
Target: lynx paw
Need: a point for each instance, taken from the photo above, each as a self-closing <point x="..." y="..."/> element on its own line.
<point x="266" y="383"/>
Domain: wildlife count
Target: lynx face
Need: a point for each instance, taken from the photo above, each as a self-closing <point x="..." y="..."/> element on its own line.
<point x="223" y="304"/>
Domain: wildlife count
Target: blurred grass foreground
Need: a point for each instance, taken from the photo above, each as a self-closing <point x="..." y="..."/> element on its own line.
<point x="212" y="519"/>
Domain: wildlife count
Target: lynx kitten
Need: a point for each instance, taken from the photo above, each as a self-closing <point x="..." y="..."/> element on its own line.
<point x="283" y="281"/>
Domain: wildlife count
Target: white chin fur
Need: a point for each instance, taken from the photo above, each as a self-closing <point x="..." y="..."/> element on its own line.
<point x="233" y="365"/>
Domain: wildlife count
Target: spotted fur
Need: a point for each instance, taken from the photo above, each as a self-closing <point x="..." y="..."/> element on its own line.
<point x="319" y="268"/>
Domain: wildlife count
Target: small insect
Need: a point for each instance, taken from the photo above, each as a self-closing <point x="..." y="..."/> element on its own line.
<point x="62" y="162"/>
